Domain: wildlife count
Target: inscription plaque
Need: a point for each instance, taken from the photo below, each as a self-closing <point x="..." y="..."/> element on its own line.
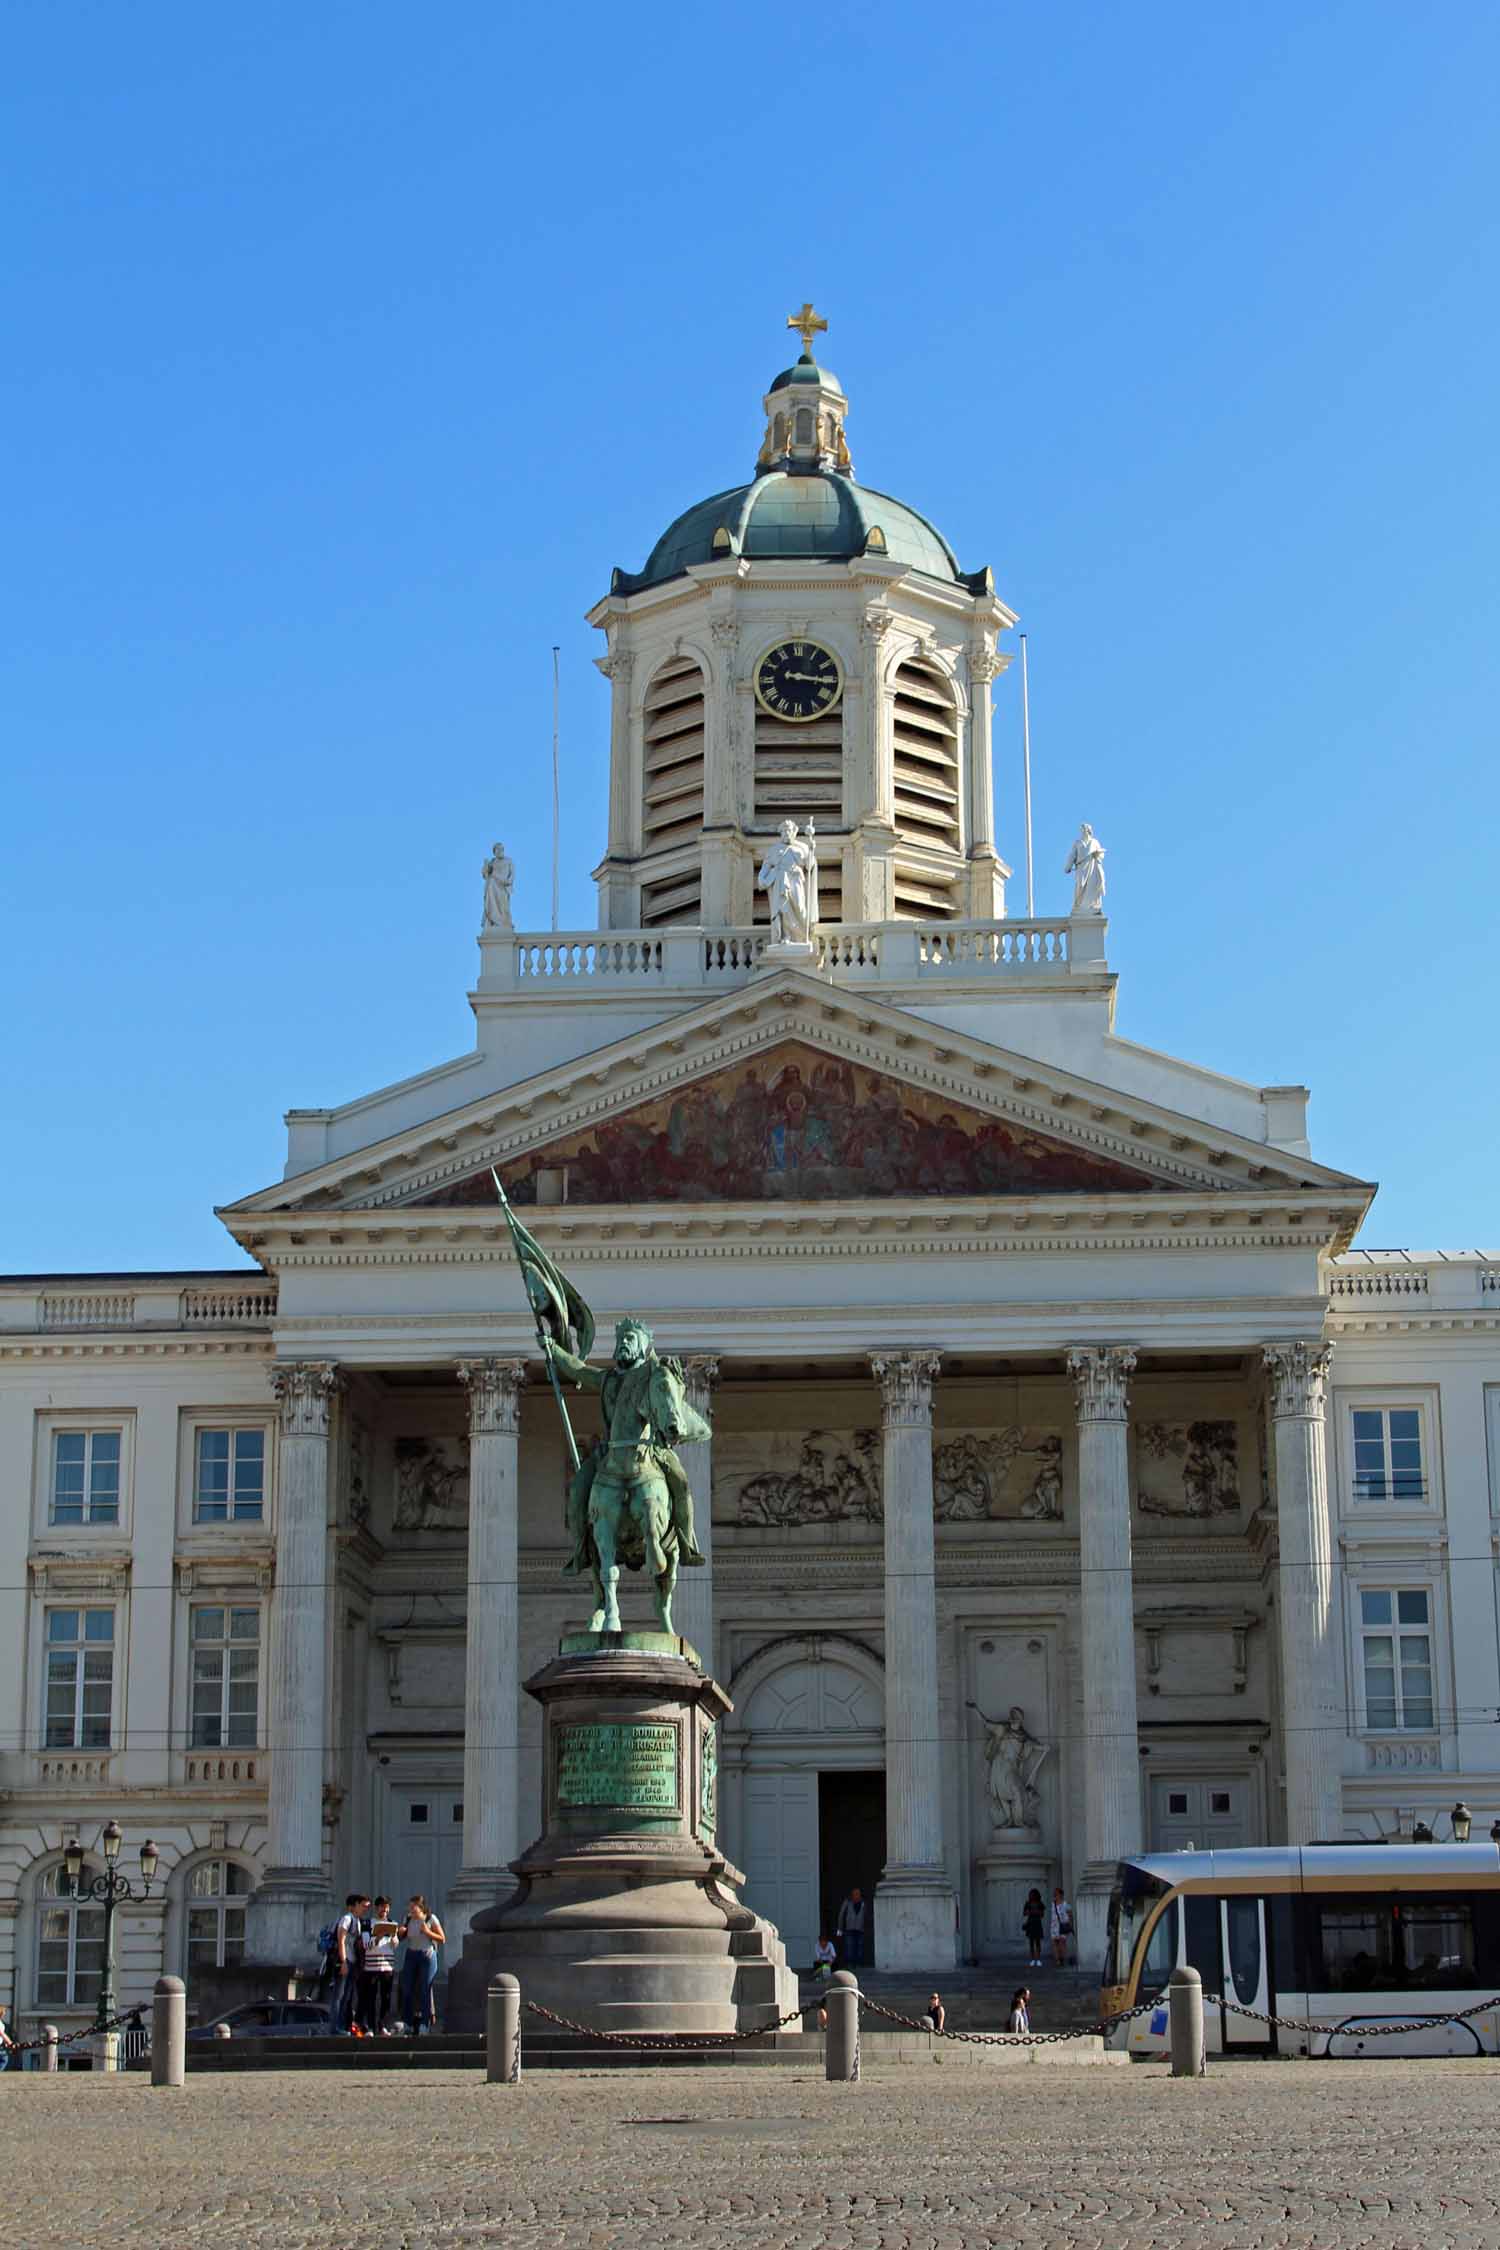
<point x="629" y="1764"/>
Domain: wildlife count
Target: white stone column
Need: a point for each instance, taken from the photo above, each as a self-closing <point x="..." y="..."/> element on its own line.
<point x="1111" y="1753"/>
<point x="492" y="1646"/>
<point x="693" y="1602"/>
<point x="285" y="1911"/>
<point x="986" y="870"/>
<point x="915" y="1909"/>
<point x="1312" y="1685"/>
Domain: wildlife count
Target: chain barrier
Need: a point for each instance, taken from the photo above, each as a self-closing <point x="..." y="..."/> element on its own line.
<point x="1366" y="2029"/>
<point x="675" y="2040"/>
<point x="1012" y="2038"/>
<point x="71" y="2038"/>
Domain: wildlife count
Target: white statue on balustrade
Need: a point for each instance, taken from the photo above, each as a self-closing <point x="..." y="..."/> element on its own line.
<point x="1085" y="863"/>
<point x="499" y="875"/>
<point x="1016" y="1757"/>
<point x="789" y="876"/>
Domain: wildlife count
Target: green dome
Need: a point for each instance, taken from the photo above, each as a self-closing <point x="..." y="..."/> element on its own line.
<point x="784" y="517"/>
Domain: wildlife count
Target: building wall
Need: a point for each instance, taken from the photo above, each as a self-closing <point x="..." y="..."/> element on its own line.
<point x="798" y="1569"/>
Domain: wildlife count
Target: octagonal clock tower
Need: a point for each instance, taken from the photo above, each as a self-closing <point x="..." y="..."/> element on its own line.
<point x="801" y="648"/>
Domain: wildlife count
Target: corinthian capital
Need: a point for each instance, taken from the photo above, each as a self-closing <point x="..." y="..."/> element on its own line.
<point x="905" y="1380"/>
<point x="305" y="1389"/>
<point x="726" y="631"/>
<point x="616" y="666"/>
<point x="494" y="1388"/>
<point x="875" y="624"/>
<point x="1299" y="1378"/>
<point x="985" y="662"/>
<point x="1101" y="1380"/>
<point x="701" y="1374"/>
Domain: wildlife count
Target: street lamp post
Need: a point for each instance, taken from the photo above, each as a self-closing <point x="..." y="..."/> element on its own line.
<point x="110" y="1888"/>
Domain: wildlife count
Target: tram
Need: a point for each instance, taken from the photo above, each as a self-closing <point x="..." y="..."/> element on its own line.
<point x="1347" y="1936"/>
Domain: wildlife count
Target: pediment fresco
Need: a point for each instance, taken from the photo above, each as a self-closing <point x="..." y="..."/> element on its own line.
<point x="796" y="1124"/>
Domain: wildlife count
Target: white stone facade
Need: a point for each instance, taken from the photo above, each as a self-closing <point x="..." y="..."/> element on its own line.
<point x="1015" y="1338"/>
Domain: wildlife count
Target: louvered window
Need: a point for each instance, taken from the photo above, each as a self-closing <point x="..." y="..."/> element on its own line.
<point x="926" y="746"/>
<point x="672" y="797"/>
<point x="799" y="769"/>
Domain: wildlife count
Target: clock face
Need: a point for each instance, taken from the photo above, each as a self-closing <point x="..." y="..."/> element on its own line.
<point x="798" y="680"/>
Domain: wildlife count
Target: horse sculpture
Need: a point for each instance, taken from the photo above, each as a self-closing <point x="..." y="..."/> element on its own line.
<point x="631" y="1514"/>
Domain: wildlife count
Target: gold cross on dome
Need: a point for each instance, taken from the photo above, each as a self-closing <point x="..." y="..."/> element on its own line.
<point x="808" y="324"/>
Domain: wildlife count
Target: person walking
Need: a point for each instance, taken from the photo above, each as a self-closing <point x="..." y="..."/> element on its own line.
<point x="424" y="1934"/>
<point x="377" y="1976"/>
<point x="7" y="2044"/>
<point x="1020" y="2009"/>
<point x="851" y="1928"/>
<point x="1033" y="1922"/>
<point x="1060" y="1927"/>
<point x="348" y="1952"/>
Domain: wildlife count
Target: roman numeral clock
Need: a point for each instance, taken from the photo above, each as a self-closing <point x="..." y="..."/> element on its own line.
<point x="798" y="680"/>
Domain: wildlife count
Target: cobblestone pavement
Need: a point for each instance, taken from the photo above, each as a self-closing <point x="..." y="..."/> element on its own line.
<point x="1287" y="2154"/>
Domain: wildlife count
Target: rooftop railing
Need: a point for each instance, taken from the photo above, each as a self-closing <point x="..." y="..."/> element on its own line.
<point x="600" y="962"/>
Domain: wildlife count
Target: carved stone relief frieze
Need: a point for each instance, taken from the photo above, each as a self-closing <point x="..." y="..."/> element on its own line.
<point x="785" y="1480"/>
<point x="432" y="1484"/>
<point x="997" y="1475"/>
<point x="1187" y="1470"/>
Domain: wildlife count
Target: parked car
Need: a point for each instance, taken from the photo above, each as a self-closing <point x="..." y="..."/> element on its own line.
<point x="268" y="2019"/>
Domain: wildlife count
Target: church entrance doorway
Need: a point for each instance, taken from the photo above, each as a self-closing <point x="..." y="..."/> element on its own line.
<point x="851" y="1844"/>
<point x="802" y="1762"/>
<point x="424" y="1845"/>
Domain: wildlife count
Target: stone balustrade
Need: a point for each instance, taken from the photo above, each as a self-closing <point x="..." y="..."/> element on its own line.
<point x="221" y="1308"/>
<point x="596" y="963"/>
<point x="89" y="1308"/>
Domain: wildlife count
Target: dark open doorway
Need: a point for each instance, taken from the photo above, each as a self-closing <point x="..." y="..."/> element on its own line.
<point x="851" y="1843"/>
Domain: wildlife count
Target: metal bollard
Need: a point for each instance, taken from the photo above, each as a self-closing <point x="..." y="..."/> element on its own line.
<point x="222" y="2031"/>
<point x="841" y="2046"/>
<point x="169" y="2032"/>
<point x="502" y="2032"/>
<point x="1185" y="2023"/>
<point x="49" y="2047"/>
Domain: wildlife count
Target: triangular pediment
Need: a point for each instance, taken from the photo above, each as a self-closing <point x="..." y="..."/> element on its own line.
<point x="796" y="1124"/>
<point x="791" y="1091"/>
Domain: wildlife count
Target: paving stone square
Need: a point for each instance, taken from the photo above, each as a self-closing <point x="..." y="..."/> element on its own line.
<point x="1290" y="2154"/>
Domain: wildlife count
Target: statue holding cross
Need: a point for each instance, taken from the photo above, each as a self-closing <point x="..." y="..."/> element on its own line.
<point x="808" y="324"/>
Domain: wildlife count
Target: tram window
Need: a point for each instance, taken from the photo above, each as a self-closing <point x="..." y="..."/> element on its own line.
<point x="1243" y="1918"/>
<point x="1161" y="1952"/>
<point x="1436" y="1939"/>
<point x="1381" y="1945"/>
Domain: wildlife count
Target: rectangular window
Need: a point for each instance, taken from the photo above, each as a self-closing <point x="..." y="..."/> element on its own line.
<point x="1397" y="1634"/>
<point x="226" y="1678"/>
<point x="1388" y="1453"/>
<point x="85" y="1476"/>
<point x="1380" y="1945"/>
<point x="229" y="1476"/>
<point x="80" y="1678"/>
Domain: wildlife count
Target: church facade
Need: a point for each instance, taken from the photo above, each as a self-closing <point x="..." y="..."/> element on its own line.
<point x="1074" y="1486"/>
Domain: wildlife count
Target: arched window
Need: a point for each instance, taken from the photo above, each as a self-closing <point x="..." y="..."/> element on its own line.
<point x="672" y="792"/>
<point x="70" y="1943"/>
<point x="925" y="734"/>
<point x="216" y="1893"/>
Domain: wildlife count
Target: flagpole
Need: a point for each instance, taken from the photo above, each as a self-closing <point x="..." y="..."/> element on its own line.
<point x="1026" y="770"/>
<point x="541" y="1334"/>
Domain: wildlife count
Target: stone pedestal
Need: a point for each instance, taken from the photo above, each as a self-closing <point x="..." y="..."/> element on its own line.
<point x="789" y="953"/>
<point x="1014" y="1864"/>
<point x="627" y="1918"/>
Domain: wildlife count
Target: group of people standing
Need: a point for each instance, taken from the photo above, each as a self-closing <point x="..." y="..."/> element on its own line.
<point x="361" y="1967"/>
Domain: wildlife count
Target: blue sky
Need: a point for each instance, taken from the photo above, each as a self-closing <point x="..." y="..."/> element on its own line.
<point x="348" y="347"/>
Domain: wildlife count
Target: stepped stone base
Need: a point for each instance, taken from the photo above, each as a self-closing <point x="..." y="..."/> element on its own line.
<point x="626" y="1917"/>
